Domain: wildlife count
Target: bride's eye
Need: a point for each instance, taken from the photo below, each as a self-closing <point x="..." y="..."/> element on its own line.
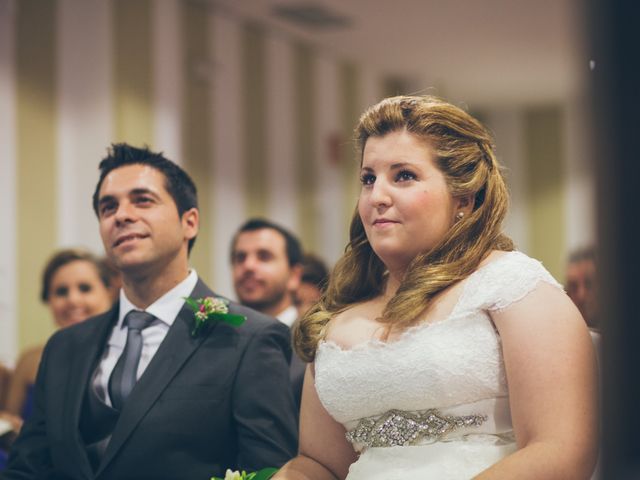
<point x="405" y="175"/>
<point x="367" y="179"/>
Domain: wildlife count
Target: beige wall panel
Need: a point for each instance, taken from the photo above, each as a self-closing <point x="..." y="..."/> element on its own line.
<point x="305" y="152"/>
<point x="8" y="179"/>
<point x="36" y="168"/>
<point x="507" y="126"/>
<point x="254" y="105"/>
<point x="229" y="174"/>
<point x="133" y="82"/>
<point x="580" y="178"/>
<point x="84" y="110"/>
<point x="168" y="65"/>
<point x="196" y="128"/>
<point x="280" y="133"/>
<point x="351" y="104"/>
<point x="546" y="175"/>
<point x="329" y="193"/>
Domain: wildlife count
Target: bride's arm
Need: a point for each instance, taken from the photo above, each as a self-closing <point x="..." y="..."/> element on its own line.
<point x="324" y="452"/>
<point x="551" y="373"/>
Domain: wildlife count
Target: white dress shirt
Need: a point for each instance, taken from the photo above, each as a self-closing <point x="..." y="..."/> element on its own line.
<point x="288" y="315"/>
<point x="165" y="309"/>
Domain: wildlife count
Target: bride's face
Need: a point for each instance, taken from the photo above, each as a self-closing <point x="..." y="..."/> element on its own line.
<point x="405" y="204"/>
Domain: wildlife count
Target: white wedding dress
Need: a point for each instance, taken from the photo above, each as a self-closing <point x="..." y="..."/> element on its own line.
<point x="434" y="403"/>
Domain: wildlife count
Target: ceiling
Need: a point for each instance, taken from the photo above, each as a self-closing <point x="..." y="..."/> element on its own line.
<point x="476" y="51"/>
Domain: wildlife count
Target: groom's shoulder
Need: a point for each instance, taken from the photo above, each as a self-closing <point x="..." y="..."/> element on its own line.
<point x="256" y="321"/>
<point x="85" y="330"/>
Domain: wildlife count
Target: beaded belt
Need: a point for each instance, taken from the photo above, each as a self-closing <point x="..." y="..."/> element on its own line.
<point x="400" y="428"/>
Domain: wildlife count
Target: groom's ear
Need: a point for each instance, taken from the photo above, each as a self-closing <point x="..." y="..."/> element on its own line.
<point x="190" y="223"/>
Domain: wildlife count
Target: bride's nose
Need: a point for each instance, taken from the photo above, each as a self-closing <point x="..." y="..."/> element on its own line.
<point x="380" y="195"/>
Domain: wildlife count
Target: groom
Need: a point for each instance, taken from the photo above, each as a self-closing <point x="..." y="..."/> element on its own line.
<point x="133" y="393"/>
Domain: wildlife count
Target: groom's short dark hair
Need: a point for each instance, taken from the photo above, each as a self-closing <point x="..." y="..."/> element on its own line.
<point x="177" y="182"/>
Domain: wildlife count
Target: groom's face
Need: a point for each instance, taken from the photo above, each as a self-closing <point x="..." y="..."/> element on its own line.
<point x="140" y="226"/>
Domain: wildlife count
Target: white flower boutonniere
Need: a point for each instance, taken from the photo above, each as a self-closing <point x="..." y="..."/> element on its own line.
<point x="264" y="474"/>
<point x="210" y="309"/>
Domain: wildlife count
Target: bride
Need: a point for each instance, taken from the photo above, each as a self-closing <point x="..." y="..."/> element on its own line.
<point x="438" y="351"/>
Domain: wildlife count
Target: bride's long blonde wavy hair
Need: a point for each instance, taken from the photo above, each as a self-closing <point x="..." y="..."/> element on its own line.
<point x="465" y="154"/>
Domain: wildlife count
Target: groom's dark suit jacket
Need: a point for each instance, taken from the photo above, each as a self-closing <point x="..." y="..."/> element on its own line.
<point x="219" y="400"/>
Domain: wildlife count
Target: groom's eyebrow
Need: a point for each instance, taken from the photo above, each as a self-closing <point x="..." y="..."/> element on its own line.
<point x="106" y="199"/>
<point x="143" y="191"/>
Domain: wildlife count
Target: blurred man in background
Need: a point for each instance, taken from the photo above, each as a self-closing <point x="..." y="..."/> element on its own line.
<point x="266" y="261"/>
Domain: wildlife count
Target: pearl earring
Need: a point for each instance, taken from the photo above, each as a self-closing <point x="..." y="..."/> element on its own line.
<point x="459" y="216"/>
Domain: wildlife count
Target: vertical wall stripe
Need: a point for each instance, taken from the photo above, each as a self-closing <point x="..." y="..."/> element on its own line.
<point x="580" y="185"/>
<point x="36" y="147"/>
<point x="132" y="76"/>
<point x="545" y="169"/>
<point x="254" y="107"/>
<point x="305" y="125"/>
<point x="280" y="133"/>
<point x="351" y="110"/>
<point x="197" y="126"/>
<point x="168" y="74"/>
<point x="507" y="125"/>
<point x="84" y="115"/>
<point x="370" y="88"/>
<point x="8" y="291"/>
<point x="228" y="139"/>
<point x="328" y="194"/>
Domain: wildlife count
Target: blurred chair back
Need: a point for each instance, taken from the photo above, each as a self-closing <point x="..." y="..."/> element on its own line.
<point x="5" y="379"/>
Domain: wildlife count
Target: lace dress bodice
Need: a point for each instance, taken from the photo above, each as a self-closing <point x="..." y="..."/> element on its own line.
<point x="453" y="362"/>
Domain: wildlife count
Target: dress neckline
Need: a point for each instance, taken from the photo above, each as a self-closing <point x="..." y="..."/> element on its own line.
<point x="374" y="343"/>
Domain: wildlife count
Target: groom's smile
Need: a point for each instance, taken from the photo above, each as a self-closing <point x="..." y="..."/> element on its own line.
<point x="129" y="239"/>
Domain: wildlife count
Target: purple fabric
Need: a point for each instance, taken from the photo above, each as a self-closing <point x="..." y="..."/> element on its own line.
<point x="3" y="459"/>
<point x="27" y="408"/>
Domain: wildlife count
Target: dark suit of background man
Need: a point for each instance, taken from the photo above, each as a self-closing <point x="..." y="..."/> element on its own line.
<point x="201" y="404"/>
<point x="266" y="261"/>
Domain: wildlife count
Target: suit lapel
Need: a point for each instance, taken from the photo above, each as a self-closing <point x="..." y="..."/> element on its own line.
<point x="174" y="351"/>
<point x="86" y="356"/>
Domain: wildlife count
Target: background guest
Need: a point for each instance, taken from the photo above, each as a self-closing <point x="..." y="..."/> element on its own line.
<point x="582" y="285"/>
<point x="75" y="286"/>
<point x="266" y="261"/>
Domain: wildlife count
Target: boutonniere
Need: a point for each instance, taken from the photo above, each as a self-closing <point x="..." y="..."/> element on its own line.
<point x="210" y="309"/>
<point x="264" y="474"/>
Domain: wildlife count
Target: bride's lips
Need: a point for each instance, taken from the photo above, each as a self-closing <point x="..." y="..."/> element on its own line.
<point x="128" y="237"/>
<point x="383" y="222"/>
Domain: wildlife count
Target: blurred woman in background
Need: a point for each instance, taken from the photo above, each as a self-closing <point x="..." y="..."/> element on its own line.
<point x="76" y="285"/>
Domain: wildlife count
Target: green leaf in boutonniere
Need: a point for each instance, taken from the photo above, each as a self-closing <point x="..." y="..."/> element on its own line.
<point x="210" y="309"/>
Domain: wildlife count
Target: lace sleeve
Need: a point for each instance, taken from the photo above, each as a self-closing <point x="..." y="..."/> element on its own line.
<point x="507" y="280"/>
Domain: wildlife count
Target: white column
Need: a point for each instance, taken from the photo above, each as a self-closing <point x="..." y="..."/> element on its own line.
<point x="228" y="171"/>
<point x="580" y="206"/>
<point x="370" y="83"/>
<point x="168" y="65"/>
<point x="330" y="184"/>
<point x="84" y="115"/>
<point x="280" y="154"/>
<point x="8" y="180"/>
<point x="508" y="128"/>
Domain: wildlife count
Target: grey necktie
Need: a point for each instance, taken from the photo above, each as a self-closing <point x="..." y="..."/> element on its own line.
<point x="123" y="377"/>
